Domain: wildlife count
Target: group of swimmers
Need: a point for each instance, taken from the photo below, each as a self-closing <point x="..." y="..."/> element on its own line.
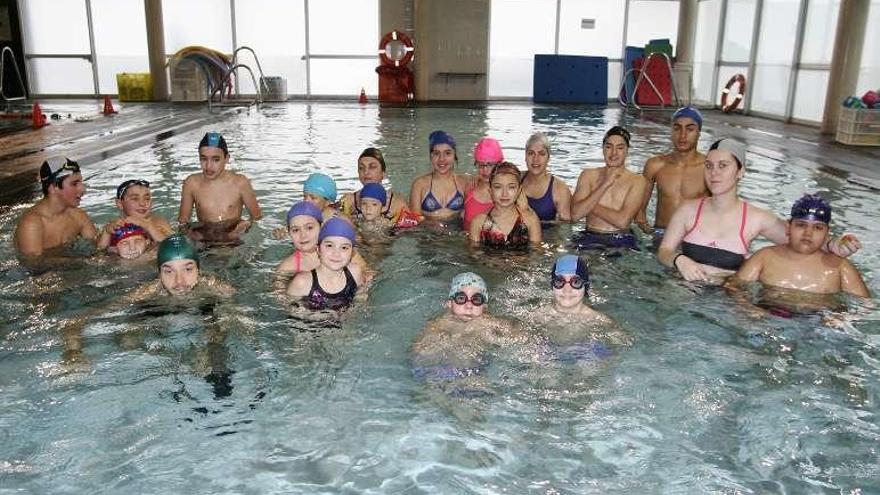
<point x="702" y="228"/>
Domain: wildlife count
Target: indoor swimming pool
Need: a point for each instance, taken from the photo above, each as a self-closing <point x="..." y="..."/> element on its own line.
<point x="242" y="397"/>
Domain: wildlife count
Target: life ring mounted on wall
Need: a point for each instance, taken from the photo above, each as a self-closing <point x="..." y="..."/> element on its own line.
<point x="396" y="49"/>
<point x="725" y="93"/>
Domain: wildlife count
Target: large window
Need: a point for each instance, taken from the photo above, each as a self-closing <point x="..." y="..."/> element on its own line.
<point x="120" y="40"/>
<point x="518" y="30"/>
<point x="57" y="47"/>
<point x="818" y="44"/>
<point x="869" y="75"/>
<point x="705" y="48"/>
<point x="779" y="24"/>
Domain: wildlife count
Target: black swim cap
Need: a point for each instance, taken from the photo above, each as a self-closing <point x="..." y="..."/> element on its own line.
<point x="811" y="207"/>
<point x="617" y="131"/>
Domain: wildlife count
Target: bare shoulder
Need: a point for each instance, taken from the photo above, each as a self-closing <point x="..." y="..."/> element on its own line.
<point x="240" y="179"/>
<point x="654" y="165"/>
<point x="300" y="284"/>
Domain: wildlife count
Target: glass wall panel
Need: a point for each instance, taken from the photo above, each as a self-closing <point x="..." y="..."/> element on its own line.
<point x="819" y="31"/>
<point x="519" y="29"/>
<point x="615" y="72"/>
<point x="66" y="76"/>
<point x="809" y="99"/>
<point x="738" y="27"/>
<point x="120" y="40"/>
<point x="344" y="77"/>
<point x="55" y="26"/>
<point x="869" y="75"/>
<point x="725" y="72"/>
<point x="705" y="46"/>
<point x="213" y="28"/>
<point x="769" y="85"/>
<point x="604" y="39"/>
<point x="652" y="19"/>
<point x="344" y="27"/>
<point x="275" y="30"/>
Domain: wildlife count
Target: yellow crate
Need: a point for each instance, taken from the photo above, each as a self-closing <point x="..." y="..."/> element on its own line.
<point x="135" y="86"/>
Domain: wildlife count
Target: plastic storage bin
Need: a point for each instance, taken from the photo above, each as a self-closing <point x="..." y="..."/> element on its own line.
<point x="134" y="86"/>
<point x="859" y="126"/>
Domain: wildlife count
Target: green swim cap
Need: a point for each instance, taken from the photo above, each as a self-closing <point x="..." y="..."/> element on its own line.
<point x="176" y="247"/>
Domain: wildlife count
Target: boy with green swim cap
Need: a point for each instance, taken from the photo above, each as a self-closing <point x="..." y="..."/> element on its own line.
<point x="218" y="196"/>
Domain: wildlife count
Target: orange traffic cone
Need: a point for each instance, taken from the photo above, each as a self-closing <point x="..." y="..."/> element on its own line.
<point x="108" y="106"/>
<point x="363" y="97"/>
<point x="37" y="117"/>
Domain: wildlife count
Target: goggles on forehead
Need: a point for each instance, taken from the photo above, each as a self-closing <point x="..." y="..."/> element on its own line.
<point x="574" y="281"/>
<point x="120" y="191"/>
<point x="461" y="298"/>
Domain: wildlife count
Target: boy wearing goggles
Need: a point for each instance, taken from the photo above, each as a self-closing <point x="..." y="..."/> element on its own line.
<point x="135" y="203"/>
<point x="56" y="220"/>
<point x="802" y="264"/>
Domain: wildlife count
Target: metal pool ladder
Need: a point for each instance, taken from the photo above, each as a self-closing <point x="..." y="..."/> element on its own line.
<point x="644" y="76"/>
<point x="233" y="69"/>
<point x="3" y="59"/>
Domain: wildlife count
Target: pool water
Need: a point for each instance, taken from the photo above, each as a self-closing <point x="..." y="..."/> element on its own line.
<point x="239" y="397"/>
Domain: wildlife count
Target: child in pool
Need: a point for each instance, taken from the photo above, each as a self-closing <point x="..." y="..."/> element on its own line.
<point x="130" y="241"/>
<point x="135" y="204"/>
<point x="506" y="225"/>
<point x="319" y="190"/>
<point x="369" y="217"/>
<point x="801" y="264"/>
<point x="303" y="226"/>
<point x="218" y="195"/>
<point x="334" y="283"/>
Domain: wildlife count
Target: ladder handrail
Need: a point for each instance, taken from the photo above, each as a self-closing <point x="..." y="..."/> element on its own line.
<point x="232" y="70"/>
<point x="259" y="66"/>
<point x="17" y="73"/>
<point x="643" y="75"/>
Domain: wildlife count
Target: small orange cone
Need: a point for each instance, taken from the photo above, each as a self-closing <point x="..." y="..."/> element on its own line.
<point x="363" y="97"/>
<point x="37" y="117"/>
<point x="108" y="106"/>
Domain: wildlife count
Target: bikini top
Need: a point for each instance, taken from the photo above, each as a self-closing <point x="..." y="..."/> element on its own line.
<point x="491" y="237"/>
<point x="544" y="206"/>
<point x="473" y="207"/>
<point x="430" y="203"/>
<point x="724" y="253"/>
<point x="319" y="299"/>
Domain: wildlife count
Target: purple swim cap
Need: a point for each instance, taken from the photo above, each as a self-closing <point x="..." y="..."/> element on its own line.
<point x="374" y="191"/>
<point x="337" y="227"/>
<point x="813" y="208"/>
<point x="690" y="113"/>
<point x="305" y="208"/>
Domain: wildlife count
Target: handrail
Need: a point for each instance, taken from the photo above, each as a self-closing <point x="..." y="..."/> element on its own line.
<point x="232" y="70"/>
<point x="17" y="73"/>
<point x="262" y="88"/>
<point x="643" y="75"/>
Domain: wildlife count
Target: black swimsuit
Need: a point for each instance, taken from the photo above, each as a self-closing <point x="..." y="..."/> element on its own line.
<point x="319" y="299"/>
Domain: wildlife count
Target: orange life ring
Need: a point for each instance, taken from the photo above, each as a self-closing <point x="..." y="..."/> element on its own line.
<point x="738" y="78"/>
<point x="396" y="35"/>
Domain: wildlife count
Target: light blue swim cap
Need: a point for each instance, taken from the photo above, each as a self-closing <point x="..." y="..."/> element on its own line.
<point x="305" y="208"/>
<point x="570" y="264"/>
<point x="337" y="227"/>
<point x="468" y="279"/>
<point x="374" y="191"/>
<point x="690" y="113"/>
<point x="321" y="185"/>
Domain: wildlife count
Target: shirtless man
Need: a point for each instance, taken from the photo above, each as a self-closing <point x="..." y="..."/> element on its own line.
<point x="609" y="197"/>
<point x="218" y="196"/>
<point x="55" y="220"/>
<point x="678" y="175"/>
<point x="802" y="264"/>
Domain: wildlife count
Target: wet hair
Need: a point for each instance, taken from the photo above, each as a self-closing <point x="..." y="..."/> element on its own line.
<point x="505" y="168"/>
<point x="538" y="138"/>
<point x="617" y="131"/>
<point x="374" y="153"/>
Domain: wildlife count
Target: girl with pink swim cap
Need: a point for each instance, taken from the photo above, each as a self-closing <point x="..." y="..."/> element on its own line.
<point x="477" y="198"/>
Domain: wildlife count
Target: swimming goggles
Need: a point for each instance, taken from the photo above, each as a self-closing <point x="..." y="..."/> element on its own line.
<point x="120" y="191"/>
<point x="575" y="282"/>
<point x="461" y="298"/>
<point x="69" y="166"/>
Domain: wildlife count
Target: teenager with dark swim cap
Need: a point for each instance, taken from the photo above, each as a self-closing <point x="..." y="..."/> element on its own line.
<point x="801" y="264"/>
<point x="219" y="196"/>
<point x="609" y="197"/>
<point x="334" y="283"/>
<point x="439" y="194"/>
<point x="56" y="220"/>
<point x="135" y="203"/>
<point x="677" y="174"/>
<point x="714" y="233"/>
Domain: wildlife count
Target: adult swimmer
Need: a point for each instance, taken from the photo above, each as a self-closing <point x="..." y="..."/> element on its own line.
<point x="609" y="197"/>
<point x="548" y="196"/>
<point x="677" y="174"/>
<point x="708" y="239"/>
<point x="371" y="170"/>
<point x="46" y="228"/>
<point x="439" y="194"/>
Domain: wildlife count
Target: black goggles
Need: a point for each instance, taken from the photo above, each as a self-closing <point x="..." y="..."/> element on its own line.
<point x="120" y="191"/>
<point x="461" y="298"/>
<point x="69" y="167"/>
<point x="575" y="282"/>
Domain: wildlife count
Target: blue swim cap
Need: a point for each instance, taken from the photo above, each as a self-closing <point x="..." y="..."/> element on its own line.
<point x="811" y="207"/>
<point x="468" y="279"/>
<point x="214" y="140"/>
<point x="322" y="185"/>
<point x="440" y="137"/>
<point x="305" y="208"/>
<point x="570" y="264"/>
<point x="374" y="191"/>
<point x="689" y="112"/>
<point x="176" y="247"/>
<point x="125" y="231"/>
<point x="337" y="227"/>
